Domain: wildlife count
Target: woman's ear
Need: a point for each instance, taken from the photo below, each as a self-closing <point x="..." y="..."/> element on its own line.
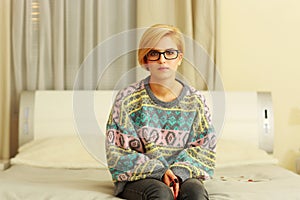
<point x="180" y="56"/>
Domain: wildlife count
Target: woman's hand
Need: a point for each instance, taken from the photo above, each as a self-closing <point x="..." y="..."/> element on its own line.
<point x="172" y="181"/>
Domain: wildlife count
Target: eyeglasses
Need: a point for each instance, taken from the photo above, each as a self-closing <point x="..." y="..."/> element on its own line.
<point x="169" y="54"/>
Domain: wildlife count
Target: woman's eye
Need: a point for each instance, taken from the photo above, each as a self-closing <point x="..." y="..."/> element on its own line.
<point x="153" y="53"/>
<point x="170" y="52"/>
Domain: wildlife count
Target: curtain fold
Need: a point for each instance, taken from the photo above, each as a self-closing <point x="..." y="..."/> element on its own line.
<point x="58" y="50"/>
<point x="5" y="64"/>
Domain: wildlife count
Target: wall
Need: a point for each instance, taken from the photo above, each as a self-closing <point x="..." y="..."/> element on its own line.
<point x="260" y="51"/>
<point x="4" y="79"/>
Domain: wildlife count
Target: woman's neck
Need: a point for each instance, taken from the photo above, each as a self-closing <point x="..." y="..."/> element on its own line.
<point x="167" y="90"/>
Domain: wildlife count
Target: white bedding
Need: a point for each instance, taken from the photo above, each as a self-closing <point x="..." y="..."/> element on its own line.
<point x="22" y="182"/>
<point x="257" y="181"/>
<point x="60" y="168"/>
<point x="244" y="182"/>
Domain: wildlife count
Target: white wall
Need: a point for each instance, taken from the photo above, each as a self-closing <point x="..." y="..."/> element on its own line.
<point x="260" y="51"/>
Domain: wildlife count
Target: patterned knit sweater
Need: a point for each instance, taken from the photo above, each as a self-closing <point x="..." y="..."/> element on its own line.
<point x="146" y="136"/>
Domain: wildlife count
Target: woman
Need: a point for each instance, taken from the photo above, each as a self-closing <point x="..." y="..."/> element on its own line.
<point x="160" y="141"/>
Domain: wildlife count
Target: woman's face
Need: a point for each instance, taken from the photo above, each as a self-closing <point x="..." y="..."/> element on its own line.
<point x="164" y="68"/>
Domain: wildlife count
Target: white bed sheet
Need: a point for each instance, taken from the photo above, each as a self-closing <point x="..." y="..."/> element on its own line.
<point x="244" y="182"/>
<point x="257" y="181"/>
<point x="22" y="182"/>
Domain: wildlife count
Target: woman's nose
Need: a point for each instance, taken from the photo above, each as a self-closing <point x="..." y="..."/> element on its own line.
<point x="162" y="58"/>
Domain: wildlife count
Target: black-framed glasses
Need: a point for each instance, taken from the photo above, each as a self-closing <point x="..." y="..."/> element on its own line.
<point x="169" y="54"/>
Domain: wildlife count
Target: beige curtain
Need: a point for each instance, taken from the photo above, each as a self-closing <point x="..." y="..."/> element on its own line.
<point x="5" y="65"/>
<point x="91" y="44"/>
<point x="54" y="37"/>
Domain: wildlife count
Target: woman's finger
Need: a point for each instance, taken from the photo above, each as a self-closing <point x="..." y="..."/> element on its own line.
<point x="175" y="189"/>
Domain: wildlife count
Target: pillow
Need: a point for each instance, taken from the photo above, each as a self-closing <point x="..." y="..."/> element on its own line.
<point x="57" y="152"/>
<point x="68" y="152"/>
<point x="235" y="152"/>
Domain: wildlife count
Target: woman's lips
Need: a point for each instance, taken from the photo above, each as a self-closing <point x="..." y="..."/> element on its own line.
<point x="163" y="68"/>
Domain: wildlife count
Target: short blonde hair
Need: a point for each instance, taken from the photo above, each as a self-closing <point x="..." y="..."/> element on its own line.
<point x="153" y="35"/>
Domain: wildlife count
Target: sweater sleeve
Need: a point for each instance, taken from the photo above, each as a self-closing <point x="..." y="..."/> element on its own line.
<point x="125" y="152"/>
<point x="197" y="160"/>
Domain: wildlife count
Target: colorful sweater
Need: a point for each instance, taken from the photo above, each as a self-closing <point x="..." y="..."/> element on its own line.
<point x="146" y="136"/>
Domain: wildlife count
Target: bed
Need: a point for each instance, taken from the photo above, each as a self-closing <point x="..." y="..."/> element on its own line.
<point x="61" y="149"/>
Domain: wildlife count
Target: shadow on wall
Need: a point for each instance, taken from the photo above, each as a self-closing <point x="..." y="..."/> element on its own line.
<point x="290" y="157"/>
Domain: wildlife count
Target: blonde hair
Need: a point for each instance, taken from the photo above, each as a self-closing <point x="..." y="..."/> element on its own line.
<point x="153" y="35"/>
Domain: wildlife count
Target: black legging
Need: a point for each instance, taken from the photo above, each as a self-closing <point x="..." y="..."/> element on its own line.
<point x="152" y="189"/>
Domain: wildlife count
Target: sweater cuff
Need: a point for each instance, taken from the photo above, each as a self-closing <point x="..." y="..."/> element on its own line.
<point x="182" y="173"/>
<point x="158" y="174"/>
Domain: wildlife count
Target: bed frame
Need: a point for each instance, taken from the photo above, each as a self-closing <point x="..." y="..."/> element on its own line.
<point x="49" y="113"/>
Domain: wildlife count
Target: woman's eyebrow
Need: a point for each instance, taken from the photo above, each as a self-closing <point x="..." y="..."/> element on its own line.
<point x="160" y="50"/>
